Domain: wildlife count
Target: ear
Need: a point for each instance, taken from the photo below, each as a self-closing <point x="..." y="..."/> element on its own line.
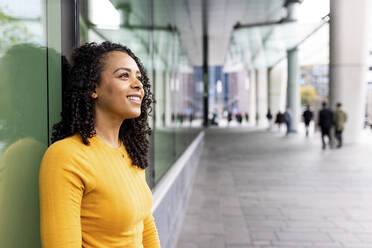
<point x="94" y="95"/>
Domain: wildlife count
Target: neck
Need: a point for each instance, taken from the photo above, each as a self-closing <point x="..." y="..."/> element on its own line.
<point x="107" y="128"/>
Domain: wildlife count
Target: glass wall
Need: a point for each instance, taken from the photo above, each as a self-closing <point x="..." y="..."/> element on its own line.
<point x="31" y="89"/>
<point x="149" y="29"/>
<point x="179" y="109"/>
<point x="30" y="69"/>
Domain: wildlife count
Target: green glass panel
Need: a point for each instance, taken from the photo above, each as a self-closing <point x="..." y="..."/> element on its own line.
<point x="23" y="114"/>
<point x="54" y="63"/>
<point x="24" y="70"/>
<point x="163" y="43"/>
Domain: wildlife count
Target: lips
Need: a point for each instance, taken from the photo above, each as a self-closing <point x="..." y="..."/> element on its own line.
<point x="135" y="98"/>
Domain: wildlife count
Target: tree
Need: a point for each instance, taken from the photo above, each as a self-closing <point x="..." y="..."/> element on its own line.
<point x="12" y="31"/>
<point x="308" y="94"/>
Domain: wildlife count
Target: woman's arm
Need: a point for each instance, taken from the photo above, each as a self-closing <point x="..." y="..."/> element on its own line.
<point x="150" y="234"/>
<point x="61" y="190"/>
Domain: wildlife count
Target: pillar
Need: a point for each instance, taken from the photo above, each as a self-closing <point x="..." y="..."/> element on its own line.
<point x="205" y="63"/>
<point x="243" y="91"/>
<point x="278" y="86"/>
<point x="348" y="61"/>
<point x="252" y="98"/>
<point x="261" y="96"/>
<point x="293" y="88"/>
<point x="293" y="85"/>
<point x="168" y="101"/>
<point x="159" y="111"/>
<point x="292" y="9"/>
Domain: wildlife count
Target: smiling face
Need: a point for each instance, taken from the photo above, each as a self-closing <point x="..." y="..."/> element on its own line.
<point x="120" y="91"/>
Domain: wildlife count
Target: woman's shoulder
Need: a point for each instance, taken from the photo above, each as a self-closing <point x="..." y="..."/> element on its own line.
<point x="69" y="157"/>
<point x="66" y="148"/>
<point x="69" y="153"/>
<point x="69" y="143"/>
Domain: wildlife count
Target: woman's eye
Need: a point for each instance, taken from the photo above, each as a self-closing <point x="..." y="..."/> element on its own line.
<point x="124" y="75"/>
<point x="139" y="78"/>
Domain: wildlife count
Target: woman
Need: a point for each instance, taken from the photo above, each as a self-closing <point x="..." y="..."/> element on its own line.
<point x="93" y="191"/>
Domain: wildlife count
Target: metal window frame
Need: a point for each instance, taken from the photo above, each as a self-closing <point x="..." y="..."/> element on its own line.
<point x="70" y="27"/>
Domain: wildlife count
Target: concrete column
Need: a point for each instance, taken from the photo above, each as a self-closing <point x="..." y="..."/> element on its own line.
<point x="348" y="61"/>
<point x="293" y="88"/>
<point x="277" y="91"/>
<point x="293" y="85"/>
<point x="159" y="98"/>
<point x="168" y="104"/>
<point x="292" y="9"/>
<point x="252" y="97"/>
<point x="261" y="91"/>
<point x="243" y="88"/>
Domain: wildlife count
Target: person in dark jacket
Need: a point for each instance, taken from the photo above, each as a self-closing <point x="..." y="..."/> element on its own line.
<point x="269" y="117"/>
<point x="325" y="122"/>
<point x="239" y="118"/>
<point x="288" y="120"/>
<point x="308" y="116"/>
<point x="279" y="119"/>
<point x="246" y="117"/>
<point x="229" y="118"/>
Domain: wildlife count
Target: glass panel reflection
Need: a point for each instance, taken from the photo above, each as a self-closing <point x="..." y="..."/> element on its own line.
<point x="177" y="113"/>
<point x="23" y="119"/>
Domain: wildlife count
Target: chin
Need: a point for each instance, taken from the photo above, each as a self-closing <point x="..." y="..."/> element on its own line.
<point x="132" y="115"/>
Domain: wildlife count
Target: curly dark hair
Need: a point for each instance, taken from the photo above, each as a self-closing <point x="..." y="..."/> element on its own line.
<point x="78" y="105"/>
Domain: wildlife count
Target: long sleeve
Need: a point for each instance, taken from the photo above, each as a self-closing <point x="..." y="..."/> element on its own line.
<point x="61" y="191"/>
<point x="92" y="196"/>
<point x="150" y="234"/>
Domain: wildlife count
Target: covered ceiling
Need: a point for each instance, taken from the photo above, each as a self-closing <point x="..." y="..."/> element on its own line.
<point x="265" y="46"/>
<point x="222" y="15"/>
<point x="226" y="44"/>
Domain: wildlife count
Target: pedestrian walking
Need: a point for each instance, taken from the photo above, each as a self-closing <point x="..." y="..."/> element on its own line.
<point x="325" y="122"/>
<point x="239" y="118"/>
<point x="246" y="117"/>
<point x="279" y="119"/>
<point x="339" y="119"/>
<point x="308" y="116"/>
<point x="288" y="120"/>
<point x="229" y="118"/>
<point x="269" y="117"/>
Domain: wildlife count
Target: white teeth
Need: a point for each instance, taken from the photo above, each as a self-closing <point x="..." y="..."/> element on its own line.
<point x="135" y="98"/>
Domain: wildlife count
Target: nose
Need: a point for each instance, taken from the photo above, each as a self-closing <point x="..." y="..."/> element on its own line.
<point x="137" y="84"/>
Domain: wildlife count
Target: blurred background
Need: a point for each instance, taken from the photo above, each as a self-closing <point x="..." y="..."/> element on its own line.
<point x="212" y="63"/>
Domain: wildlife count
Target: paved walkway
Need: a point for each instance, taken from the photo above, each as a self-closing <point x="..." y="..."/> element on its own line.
<point x="260" y="189"/>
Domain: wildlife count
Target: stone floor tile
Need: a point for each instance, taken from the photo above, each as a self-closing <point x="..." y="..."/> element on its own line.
<point x="304" y="236"/>
<point x="265" y="190"/>
<point x="263" y="236"/>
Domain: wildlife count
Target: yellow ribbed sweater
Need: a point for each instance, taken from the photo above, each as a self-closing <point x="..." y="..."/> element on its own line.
<point x="93" y="197"/>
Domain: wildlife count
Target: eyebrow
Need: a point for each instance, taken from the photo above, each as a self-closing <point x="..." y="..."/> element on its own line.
<point x="125" y="69"/>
